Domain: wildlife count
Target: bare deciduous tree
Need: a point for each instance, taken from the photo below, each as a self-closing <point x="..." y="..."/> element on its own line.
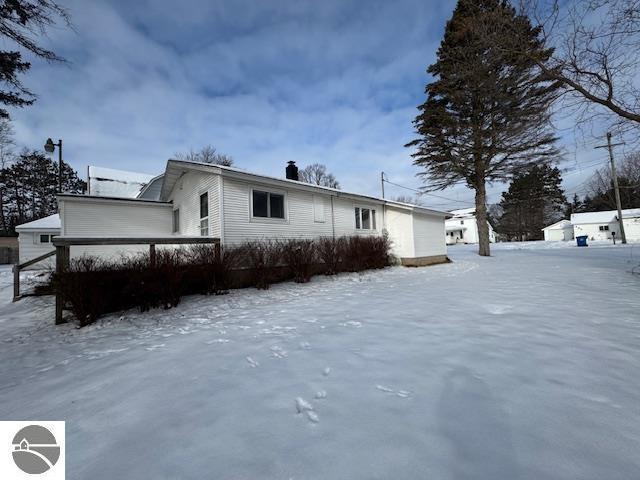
<point x="596" y="54"/>
<point x="317" y="174"/>
<point x="409" y="199"/>
<point x="207" y="154"/>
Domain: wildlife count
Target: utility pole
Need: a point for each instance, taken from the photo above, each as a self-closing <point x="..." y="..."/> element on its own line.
<point x="382" y="182"/>
<point x="616" y="189"/>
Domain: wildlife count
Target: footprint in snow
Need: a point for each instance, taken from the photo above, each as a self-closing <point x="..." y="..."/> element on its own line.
<point x="155" y="347"/>
<point x="304" y="407"/>
<point x="399" y="393"/>
<point x="252" y="363"/>
<point x="499" y="309"/>
<point x="305" y="345"/>
<point x="326" y="371"/>
<point x="320" y="394"/>
<point x="278" y="352"/>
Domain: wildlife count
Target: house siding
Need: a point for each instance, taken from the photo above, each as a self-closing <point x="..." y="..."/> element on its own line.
<point x="105" y="218"/>
<point x="400" y="227"/>
<point x="186" y="197"/>
<point x="428" y="232"/>
<point x="299" y="219"/>
<point x="29" y="248"/>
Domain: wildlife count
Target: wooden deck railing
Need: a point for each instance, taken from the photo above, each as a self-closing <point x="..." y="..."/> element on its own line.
<point x="63" y="248"/>
<point x="19" y="267"/>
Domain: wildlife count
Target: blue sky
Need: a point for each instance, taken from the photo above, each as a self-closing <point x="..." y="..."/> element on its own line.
<point x="335" y="82"/>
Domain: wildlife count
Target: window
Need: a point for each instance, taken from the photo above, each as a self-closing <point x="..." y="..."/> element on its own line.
<point x="44" y="238"/>
<point x="461" y="222"/>
<point x="365" y="218"/>
<point x="604" y="228"/>
<point x="176" y="220"/>
<point x="204" y="214"/>
<point x="267" y="204"/>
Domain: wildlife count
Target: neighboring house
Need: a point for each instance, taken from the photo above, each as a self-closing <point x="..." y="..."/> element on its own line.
<point x="108" y="182"/>
<point x="197" y="199"/>
<point x="602" y="225"/>
<point x="34" y="239"/>
<point x="462" y="227"/>
<point x="559" y="231"/>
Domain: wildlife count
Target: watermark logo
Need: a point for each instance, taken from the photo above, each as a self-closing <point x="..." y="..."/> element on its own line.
<point x="34" y="450"/>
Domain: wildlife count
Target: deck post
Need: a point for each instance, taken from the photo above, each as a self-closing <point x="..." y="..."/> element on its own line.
<point x="62" y="264"/>
<point x="16" y="282"/>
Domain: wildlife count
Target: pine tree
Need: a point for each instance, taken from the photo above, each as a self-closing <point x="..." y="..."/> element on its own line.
<point x="534" y="200"/>
<point x="486" y="116"/>
<point x="30" y="185"/>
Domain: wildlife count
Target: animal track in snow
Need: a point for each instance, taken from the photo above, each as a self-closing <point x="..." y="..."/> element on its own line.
<point x="278" y="352"/>
<point x="252" y="363"/>
<point x="302" y="406"/>
<point x="399" y="393"/>
<point x="320" y="394"/>
<point x="305" y="345"/>
<point x="326" y="371"/>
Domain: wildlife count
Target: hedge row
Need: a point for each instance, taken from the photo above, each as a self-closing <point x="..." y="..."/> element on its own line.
<point x="93" y="287"/>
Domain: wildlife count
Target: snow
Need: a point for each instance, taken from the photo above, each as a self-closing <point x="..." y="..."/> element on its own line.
<point x="561" y="225"/>
<point x="109" y="182"/>
<point x="463" y="212"/>
<point x="523" y="365"/>
<point x="603" y="217"/>
<point x="50" y="222"/>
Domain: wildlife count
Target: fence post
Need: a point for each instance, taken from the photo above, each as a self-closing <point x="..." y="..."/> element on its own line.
<point x="62" y="264"/>
<point x="152" y="255"/>
<point x="16" y="282"/>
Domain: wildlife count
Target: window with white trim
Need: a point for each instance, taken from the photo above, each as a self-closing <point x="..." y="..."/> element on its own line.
<point x="44" y="238"/>
<point x="604" y="228"/>
<point x="176" y="220"/>
<point x="365" y="218"/>
<point x="267" y="204"/>
<point x="204" y="214"/>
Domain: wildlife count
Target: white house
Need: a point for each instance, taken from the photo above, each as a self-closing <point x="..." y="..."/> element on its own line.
<point x="602" y="225"/>
<point x="462" y="227"/>
<point x="559" y="231"/>
<point x="34" y="239"/>
<point x="197" y="199"/>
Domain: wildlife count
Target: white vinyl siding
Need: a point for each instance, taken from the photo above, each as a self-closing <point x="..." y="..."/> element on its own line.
<point x="186" y="197"/>
<point x="319" y="215"/>
<point x="113" y="218"/>
<point x="29" y="247"/>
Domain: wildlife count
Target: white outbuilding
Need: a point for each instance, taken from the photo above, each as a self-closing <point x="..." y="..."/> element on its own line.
<point x="603" y="225"/>
<point x="34" y="239"/>
<point x="558" y="232"/>
<point x="462" y="227"/>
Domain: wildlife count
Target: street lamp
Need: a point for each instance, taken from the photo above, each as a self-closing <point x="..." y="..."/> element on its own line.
<point x="49" y="147"/>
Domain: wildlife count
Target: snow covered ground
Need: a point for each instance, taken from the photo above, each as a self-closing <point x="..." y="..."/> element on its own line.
<point x="525" y="365"/>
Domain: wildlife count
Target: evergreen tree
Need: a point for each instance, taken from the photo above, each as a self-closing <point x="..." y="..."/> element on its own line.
<point x="20" y="22"/>
<point x="576" y="206"/>
<point x="486" y="116"/>
<point x="29" y="187"/>
<point x="533" y="201"/>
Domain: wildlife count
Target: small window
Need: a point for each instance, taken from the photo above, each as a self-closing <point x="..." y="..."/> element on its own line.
<point x="461" y="222"/>
<point x="604" y="228"/>
<point x="267" y="204"/>
<point x="204" y="214"/>
<point x="45" y="238"/>
<point x="365" y="218"/>
<point x="176" y="220"/>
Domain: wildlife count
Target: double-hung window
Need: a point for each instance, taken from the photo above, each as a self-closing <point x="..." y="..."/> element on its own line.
<point x="267" y="204"/>
<point x="365" y="218"/>
<point x="45" y="238"/>
<point x="604" y="228"/>
<point x="204" y="214"/>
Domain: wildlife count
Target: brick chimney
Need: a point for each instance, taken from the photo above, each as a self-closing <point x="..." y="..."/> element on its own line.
<point x="292" y="171"/>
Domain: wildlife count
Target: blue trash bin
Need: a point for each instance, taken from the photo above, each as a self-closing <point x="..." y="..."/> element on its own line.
<point x="582" y="240"/>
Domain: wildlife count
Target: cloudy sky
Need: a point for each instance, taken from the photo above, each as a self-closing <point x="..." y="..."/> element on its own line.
<point x="332" y="81"/>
